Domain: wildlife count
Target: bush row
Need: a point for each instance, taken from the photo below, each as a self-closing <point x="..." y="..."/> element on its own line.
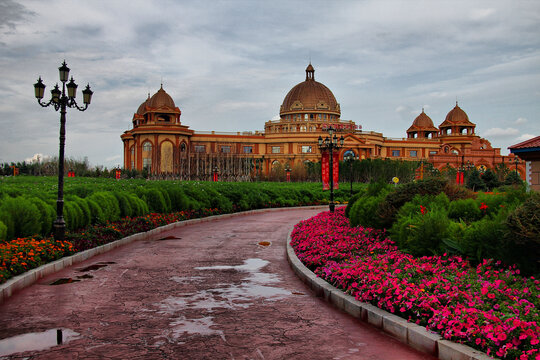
<point x="30" y="208"/>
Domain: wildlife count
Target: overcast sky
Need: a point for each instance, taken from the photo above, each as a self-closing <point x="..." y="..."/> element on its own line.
<point x="229" y="64"/>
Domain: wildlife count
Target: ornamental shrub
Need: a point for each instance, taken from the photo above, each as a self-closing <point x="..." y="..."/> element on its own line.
<point x="483" y="239"/>
<point x="73" y="215"/>
<point x="124" y="203"/>
<point x="21" y="217"/>
<point x="423" y="234"/>
<point x="490" y="180"/>
<point x="179" y="200"/>
<point x="138" y="206"/>
<point x="387" y="209"/>
<point x="96" y="213"/>
<point x="523" y="235"/>
<point x="3" y="231"/>
<point x="86" y="213"/>
<point x="464" y="209"/>
<point x="47" y="214"/>
<point x="363" y="211"/>
<point x="352" y="200"/>
<point x="108" y="204"/>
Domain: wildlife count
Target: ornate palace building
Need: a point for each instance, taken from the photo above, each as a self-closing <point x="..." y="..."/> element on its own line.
<point x="160" y="143"/>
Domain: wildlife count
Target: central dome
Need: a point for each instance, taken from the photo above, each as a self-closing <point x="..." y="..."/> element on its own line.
<point x="310" y="96"/>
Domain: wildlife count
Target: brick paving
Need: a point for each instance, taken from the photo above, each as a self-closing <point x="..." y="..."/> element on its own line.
<point x="215" y="290"/>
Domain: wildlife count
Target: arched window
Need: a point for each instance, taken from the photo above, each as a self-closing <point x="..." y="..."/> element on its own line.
<point x="147" y="146"/>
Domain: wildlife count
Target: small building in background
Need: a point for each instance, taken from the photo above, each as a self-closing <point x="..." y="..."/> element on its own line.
<point x="529" y="151"/>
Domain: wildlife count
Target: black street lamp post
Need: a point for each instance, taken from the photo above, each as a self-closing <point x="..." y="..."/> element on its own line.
<point x="516" y="162"/>
<point x="350" y="159"/>
<point x="288" y="173"/>
<point x="61" y="101"/>
<point x="331" y="143"/>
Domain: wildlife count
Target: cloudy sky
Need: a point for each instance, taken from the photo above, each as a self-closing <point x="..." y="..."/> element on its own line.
<point x="229" y="64"/>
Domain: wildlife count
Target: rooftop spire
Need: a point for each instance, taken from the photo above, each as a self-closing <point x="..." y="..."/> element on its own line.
<point x="310" y="72"/>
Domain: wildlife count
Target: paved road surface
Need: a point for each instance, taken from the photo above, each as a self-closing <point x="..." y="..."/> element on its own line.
<point x="212" y="290"/>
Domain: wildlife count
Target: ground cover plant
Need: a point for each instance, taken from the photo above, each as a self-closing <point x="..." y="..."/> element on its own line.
<point x="488" y="307"/>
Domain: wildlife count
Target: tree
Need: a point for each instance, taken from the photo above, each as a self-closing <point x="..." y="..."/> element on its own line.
<point x="490" y="180"/>
<point x="475" y="182"/>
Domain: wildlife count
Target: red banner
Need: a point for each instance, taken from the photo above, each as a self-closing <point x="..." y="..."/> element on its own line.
<point x="335" y="163"/>
<point x="325" y="170"/>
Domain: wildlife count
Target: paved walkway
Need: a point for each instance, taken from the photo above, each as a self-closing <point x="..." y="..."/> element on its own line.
<point x="215" y="290"/>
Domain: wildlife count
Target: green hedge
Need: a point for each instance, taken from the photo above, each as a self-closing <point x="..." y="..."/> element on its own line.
<point x="94" y="201"/>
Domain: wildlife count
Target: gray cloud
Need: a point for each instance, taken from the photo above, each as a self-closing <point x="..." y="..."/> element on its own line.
<point x="229" y="65"/>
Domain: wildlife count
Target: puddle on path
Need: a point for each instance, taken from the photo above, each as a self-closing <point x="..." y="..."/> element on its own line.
<point x="96" y="266"/>
<point x="201" y="326"/>
<point x="249" y="265"/>
<point x="170" y="238"/>
<point x="62" y="281"/>
<point x="254" y="286"/>
<point x="36" y="341"/>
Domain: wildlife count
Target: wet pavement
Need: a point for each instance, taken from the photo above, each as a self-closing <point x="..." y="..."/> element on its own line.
<point x="215" y="290"/>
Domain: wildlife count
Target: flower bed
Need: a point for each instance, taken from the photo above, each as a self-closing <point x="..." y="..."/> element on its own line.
<point x="490" y="308"/>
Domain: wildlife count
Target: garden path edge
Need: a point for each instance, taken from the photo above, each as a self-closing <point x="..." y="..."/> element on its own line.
<point x="28" y="278"/>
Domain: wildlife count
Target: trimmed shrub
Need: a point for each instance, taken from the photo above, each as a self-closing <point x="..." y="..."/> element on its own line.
<point x="21" y="217"/>
<point x="523" y="235"/>
<point x="363" y="211"/>
<point x="179" y="200"/>
<point x="138" y="206"/>
<point x="352" y="200"/>
<point x="155" y="200"/>
<point x="465" y="209"/>
<point x="73" y="215"/>
<point x="96" y="213"/>
<point x="391" y="204"/>
<point x="483" y="239"/>
<point x="47" y="215"/>
<point x="108" y="204"/>
<point x="3" y="231"/>
<point x="123" y="203"/>
<point x="423" y="234"/>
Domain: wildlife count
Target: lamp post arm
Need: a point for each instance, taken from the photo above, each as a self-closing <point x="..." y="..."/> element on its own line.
<point x="73" y="104"/>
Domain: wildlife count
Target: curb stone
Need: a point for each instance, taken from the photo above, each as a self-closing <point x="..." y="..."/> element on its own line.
<point x="30" y="277"/>
<point x="411" y="334"/>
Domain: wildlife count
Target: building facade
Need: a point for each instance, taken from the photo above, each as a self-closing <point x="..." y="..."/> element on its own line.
<point x="160" y="143"/>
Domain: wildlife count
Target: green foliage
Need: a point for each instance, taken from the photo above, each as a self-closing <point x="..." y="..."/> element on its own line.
<point x="490" y="180"/>
<point x="124" y="203"/>
<point x="423" y="234"/>
<point x="3" y="231"/>
<point x="108" y="204"/>
<point x="47" y="214"/>
<point x="388" y="208"/>
<point x="513" y="178"/>
<point x="21" y="217"/>
<point x="523" y="236"/>
<point x="483" y="238"/>
<point x="475" y="182"/>
<point x="464" y="209"/>
<point x="363" y="211"/>
<point x="95" y="212"/>
<point x="352" y="200"/>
